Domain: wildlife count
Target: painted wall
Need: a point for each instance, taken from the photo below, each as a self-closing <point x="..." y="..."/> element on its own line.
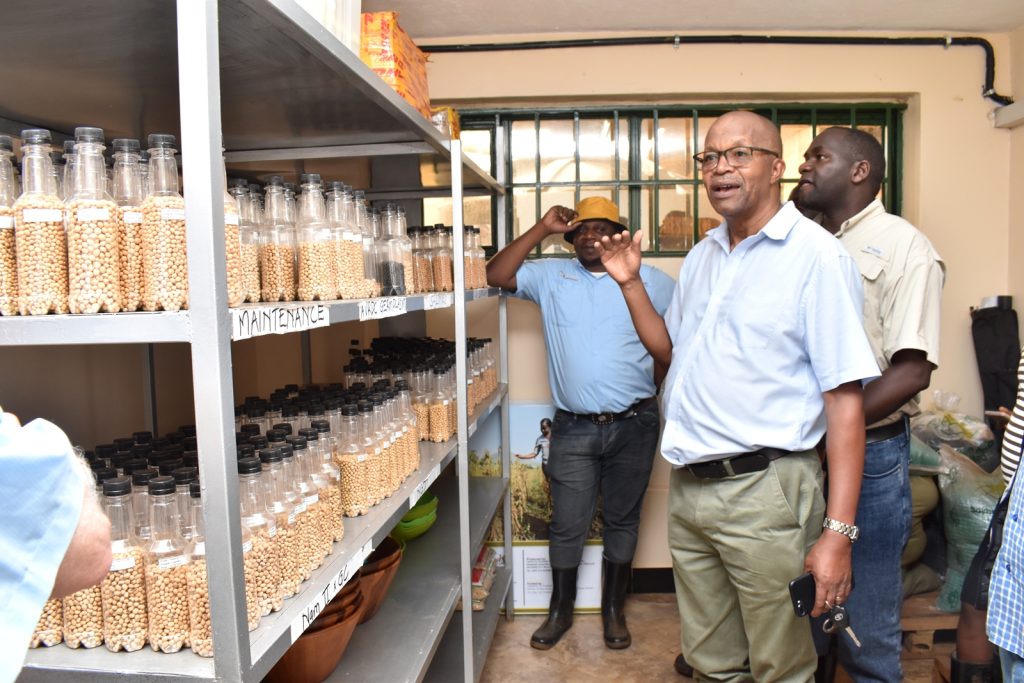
<point x="957" y="180"/>
<point x="1016" y="248"/>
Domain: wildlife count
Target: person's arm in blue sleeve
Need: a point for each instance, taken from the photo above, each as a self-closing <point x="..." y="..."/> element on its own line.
<point x="503" y="266"/>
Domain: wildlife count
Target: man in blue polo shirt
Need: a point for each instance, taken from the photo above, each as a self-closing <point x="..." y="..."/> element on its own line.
<point x="603" y="385"/>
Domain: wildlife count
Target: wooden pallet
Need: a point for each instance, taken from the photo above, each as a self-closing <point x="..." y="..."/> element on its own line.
<point x="919" y="621"/>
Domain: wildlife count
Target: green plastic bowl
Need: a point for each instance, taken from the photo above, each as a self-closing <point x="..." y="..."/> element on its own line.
<point x="424" y="506"/>
<point x="406" y="531"/>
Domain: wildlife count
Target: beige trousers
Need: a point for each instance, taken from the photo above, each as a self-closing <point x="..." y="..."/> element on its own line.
<point x="736" y="544"/>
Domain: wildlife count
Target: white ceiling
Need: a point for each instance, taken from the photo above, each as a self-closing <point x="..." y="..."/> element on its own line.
<point x="429" y="20"/>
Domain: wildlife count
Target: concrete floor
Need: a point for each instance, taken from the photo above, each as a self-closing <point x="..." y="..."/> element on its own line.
<point x="581" y="656"/>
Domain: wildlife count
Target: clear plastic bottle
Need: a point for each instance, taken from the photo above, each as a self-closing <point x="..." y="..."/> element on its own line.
<point x="62" y="185"/>
<point x="166" y="570"/>
<point x="352" y="461"/>
<point x="330" y="492"/>
<point x="39" y="238"/>
<point x="49" y="629"/>
<point x="310" y="482"/>
<point x="140" y="502"/>
<point x="306" y="531"/>
<point x="410" y="428"/>
<point x="442" y="261"/>
<point x="280" y="506"/>
<point x="93" y="232"/>
<point x="183" y="478"/>
<point x="233" y="245"/>
<point x="264" y="569"/>
<point x="353" y="271"/>
<point x="144" y="171"/>
<point x="128" y="195"/>
<point x="307" y="505"/>
<point x="439" y="423"/>
<point x="8" y="257"/>
<point x="479" y="259"/>
<point x="57" y="172"/>
<point x="317" y="280"/>
<point x="334" y="200"/>
<point x="123" y="591"/>
<point x="371" y="285"/>
<point x="164" y="250"/>
<point x="83" y="618"/>
<point x="396" y="266"/>
<point x="291" y="208"/>
<point x="197" y="584"/>
<point x="277" y="247"/>
<point x="248" y="238"/>
<point x="422" y="259"/>
<point x="374" y="454"/>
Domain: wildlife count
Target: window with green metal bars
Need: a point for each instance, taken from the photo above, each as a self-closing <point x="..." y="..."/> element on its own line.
<point x="641" y="158"/>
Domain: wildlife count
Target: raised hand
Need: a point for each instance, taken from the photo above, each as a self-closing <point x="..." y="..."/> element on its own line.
<point x="620" y="256"/>
<point x="557" y="218"/>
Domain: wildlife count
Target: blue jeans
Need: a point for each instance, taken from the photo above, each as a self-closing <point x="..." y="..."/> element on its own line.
<point x="883" y="515"/>
<point x="1012" y="665"/>
<point x="613" y="459"/>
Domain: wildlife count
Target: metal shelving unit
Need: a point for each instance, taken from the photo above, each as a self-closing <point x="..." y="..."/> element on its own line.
<point x="263" y="80"/>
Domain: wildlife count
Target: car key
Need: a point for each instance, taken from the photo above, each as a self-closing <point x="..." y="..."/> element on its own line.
<point x="839" y="620"/>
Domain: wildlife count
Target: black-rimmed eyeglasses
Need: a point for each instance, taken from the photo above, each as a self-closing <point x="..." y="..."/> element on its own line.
<point x="737" y="157"/>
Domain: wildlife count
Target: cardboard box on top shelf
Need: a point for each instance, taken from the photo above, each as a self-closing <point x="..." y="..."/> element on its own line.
<point x="390" y="52"/>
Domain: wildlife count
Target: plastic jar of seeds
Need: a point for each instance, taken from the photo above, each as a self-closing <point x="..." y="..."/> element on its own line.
<point x="264" y="568"/>
<point x="8" y="257"/>
<point x="277" y="247"/>
<point x="330" y="492"/>
<point x="83" y="618"/>
<point x="165" y="257"/>
<point x="233" y="248"/>
<point x="128" y="194"/>
<point x="40" y="241"/>
<point x="94" y="232"/>
<point x="317" y="278"/>
<point x="442" y="261"/>
<point x="167" y="565"/>
<point x="281" y="508"/>
<point x="50" y="627"/>
<point x="352" y="462"/>
<point x="123" y="590"/>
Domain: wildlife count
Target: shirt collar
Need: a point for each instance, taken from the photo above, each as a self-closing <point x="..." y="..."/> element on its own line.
<point x="872" y="209"/>
<point x="778" y="228"/>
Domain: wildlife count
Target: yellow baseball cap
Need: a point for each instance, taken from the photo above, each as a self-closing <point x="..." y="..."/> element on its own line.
<point x="595" y="209"/>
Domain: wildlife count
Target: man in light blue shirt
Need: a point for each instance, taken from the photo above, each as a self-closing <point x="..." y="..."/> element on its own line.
<point x="765" y="347"/>
<point x="603" y="385"/>
<point x="54" y="539"/>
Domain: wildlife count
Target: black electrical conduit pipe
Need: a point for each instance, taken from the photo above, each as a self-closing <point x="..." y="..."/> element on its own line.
<point x="988" y="90"/>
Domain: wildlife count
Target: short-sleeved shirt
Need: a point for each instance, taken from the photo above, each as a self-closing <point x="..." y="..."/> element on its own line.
<point x="42" y="489"/>
<point x="596" y="362"/>
<point x="902" y="278"/>
<point x="759" y="333"/>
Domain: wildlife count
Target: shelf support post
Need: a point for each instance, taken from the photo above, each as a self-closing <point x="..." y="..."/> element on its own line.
<point x="201" y="139"/>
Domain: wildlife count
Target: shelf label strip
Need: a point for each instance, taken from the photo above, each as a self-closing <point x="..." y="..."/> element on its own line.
<point x="334" y="584"/>
<point x="420" y="489"/>
<point x="442" y="300"/>
<point x="256" y="322"/>
<point x="385" y="307"/>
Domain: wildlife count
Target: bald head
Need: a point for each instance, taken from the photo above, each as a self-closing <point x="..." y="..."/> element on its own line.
<point x="743" y="186"/>
<point x="760" y="131"/>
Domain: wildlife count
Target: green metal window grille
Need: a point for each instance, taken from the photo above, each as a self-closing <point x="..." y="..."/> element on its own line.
<point x="641" y="158"/>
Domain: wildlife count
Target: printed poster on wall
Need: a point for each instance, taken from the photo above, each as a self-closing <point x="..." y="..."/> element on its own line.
<point x="529" y="433"/>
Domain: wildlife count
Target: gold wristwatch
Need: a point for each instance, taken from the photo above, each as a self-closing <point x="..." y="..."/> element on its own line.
<point x="849" y="530"/>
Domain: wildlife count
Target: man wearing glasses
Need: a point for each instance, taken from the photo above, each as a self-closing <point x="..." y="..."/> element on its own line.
<point x="765" y="347"/>
<point x="602" y="380"/>
<point x="902" y="277"/>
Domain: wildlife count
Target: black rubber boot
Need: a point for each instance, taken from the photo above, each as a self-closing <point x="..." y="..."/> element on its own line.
<point x="563" y="600"/>
<point x="683" y="667"/>
<point x="970" y="672"/>
<point x="613" y="605"/>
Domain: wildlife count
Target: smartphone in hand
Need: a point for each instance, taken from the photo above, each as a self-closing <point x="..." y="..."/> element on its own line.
<point x="802" y="592"/>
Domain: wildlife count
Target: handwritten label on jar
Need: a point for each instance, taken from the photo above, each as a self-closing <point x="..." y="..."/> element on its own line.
<point x="246" y="547"/>
<point x="172" y="562"/>
<point x="272" y="532"/>
<point x="386" y="307"/>
<point x="172" y="214"/>
<point x="335" y="582"/>
<point x="6" y="222"/>
<point x="121" y="563"/>
<point x="42" y="215"/>
<point x="258" y="321"/>
<point x="422" y="487"/>
<point x="300" y="507"/>
<point x="231" y="219"/>
<point x="442" y="300"/>
<point x="133" y="217"/>
<point x="89" y="215"/>
<point x="313" y="499"/>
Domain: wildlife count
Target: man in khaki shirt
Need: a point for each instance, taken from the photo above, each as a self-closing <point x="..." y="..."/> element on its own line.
<point x="902" y="276"/>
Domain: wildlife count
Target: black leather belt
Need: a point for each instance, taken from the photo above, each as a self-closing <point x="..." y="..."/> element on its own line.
<point x="886" y="432"/>
<point x="608" y="418"/>
<point x="737" y="464"/>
